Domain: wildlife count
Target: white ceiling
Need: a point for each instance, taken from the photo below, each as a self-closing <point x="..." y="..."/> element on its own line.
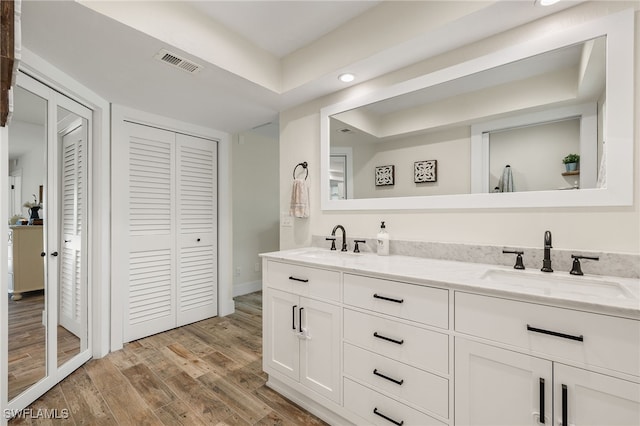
<point x="115" y="59"/>
<point x="282" y="27"/>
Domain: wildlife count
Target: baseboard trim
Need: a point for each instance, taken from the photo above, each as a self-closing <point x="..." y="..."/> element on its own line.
<point x="246" y="288"/>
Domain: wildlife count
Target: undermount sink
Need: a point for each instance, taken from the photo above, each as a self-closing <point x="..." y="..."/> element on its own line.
<point x="558" y="284"/>
<point x="326" y="254"/>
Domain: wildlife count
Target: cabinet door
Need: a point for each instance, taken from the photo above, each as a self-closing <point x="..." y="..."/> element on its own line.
<point x="281" y="343"/>
<point x="499" y="387"/>
<point x="588" y="398"/>
<point x="320" y="348"/>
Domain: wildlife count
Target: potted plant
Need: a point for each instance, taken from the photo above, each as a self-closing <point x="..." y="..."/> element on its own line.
<point x="571" y="162"/>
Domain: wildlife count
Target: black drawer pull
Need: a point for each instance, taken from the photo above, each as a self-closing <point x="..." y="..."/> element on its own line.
<point x="389" y="419"/>
<point x="565" y="408"/>
<point x="388" y="298"/>
<point x="541" y="401"/>
<point x="397" y="382"/>
<point x="388" y="339"/>
<point x="293" y="316"/>
<point x="300" y="320"/>
<point x="555" y="333"/>
<point x="302" y="280"/>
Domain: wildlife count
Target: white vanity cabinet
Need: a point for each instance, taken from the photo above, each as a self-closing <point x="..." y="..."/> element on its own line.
<point x="396" y="355"/>
<point x="406" y="341"/>
<point x="301" y="327"/>
<point x="526" y="373"/>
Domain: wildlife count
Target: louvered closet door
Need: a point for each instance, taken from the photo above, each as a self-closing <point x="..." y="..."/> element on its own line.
<point x="74" y="221"/>
<point x="197" y="229"/>
<point x="150" y="302"/>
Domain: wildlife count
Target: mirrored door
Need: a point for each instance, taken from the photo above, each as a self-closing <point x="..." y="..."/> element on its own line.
<point x="27" y="337"/>
<point x="48" y="297"/>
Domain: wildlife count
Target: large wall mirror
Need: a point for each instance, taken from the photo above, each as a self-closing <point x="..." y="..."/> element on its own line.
<point x="497" y="131"/>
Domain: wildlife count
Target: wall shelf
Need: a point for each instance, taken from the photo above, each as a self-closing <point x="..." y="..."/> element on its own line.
<point x="575" y="172"/>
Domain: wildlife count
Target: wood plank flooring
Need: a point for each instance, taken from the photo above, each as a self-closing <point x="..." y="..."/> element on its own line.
<point x="27" y="342"/>
<point x="206" y="373"/>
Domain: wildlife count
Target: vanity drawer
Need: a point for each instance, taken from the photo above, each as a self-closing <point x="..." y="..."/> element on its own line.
<point x="426" y="390"/>
<point x="426" y="305"/>
<point x="405" y="343"/>
<point x="303" y="280"/>
<point x="607" y="342"/>
<point x="365" y="403"/>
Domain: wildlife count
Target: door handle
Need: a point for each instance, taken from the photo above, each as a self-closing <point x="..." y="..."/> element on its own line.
<point x="300" y="320"/>
<point x="293" y="316"/>
<point x="541" y="401"/>
<point x="565" y="414"/>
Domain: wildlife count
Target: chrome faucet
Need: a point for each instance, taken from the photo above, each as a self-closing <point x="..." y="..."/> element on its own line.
<point x="344" y="236"/>
<point x="546" y="262"/>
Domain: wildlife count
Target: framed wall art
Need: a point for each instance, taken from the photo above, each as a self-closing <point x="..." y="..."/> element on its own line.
<point x="425" y="171"/>
<point x="385" y="175"/>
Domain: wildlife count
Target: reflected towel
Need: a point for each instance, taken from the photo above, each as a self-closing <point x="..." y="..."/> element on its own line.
<point x="602" y="171"/>
<point x="299" y="199"/>
<point x="506" y="181"/>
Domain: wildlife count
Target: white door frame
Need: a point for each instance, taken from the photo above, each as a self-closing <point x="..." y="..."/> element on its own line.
<point x="119" y="115"/>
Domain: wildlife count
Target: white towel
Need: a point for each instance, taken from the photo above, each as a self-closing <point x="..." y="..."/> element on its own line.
<point x="299" y="199"/>
<point x="506" y="181"/>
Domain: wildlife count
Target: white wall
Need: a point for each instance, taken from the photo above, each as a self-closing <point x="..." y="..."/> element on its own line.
<point x="255" y="177"/>
<point x="615" y="229"/>
<point x="535" y="155"/>
<point x="449" y="147"/>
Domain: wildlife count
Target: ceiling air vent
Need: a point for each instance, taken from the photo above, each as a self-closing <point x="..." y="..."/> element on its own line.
<point x="178" y="62"/>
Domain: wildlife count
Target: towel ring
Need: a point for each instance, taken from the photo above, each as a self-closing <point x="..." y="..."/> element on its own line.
<point x="304" y="166"/>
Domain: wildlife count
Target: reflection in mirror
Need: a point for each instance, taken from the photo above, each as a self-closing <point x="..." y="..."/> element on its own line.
<point x="27" y="269"/>
<point x="72" y="284"/>
<point x="448" y="122"/>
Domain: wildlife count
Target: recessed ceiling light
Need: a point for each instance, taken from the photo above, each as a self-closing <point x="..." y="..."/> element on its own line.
<point x="547" y="2"/>
<point x="346" y="77"/>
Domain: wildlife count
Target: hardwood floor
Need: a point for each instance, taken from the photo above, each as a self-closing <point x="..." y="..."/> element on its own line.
<point x="206" y="373"/>
<point x="27" y="342"/>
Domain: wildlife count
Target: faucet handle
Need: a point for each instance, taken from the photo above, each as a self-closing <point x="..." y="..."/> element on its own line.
<point x="576" y="268"/>
<point x="519" y="264"/>
<point x="356" y="249"/>
<point x="333" y="242"/>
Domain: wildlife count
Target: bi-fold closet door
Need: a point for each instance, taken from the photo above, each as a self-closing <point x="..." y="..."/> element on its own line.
<point x="172" y="223"/>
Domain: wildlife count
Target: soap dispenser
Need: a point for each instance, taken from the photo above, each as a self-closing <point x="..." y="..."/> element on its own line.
<point x="383" y="241"/>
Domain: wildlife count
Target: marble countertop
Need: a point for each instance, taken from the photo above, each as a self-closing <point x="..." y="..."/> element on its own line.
<point x="595" y="293"/>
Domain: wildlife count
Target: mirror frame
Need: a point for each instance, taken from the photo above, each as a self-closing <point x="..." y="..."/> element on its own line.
<point x="619" y="30"/>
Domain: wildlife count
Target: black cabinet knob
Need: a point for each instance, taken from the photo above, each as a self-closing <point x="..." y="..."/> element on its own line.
<point x="43" y="254"/>
<point x="54" y="254"/>
<point x="198" y="240"/>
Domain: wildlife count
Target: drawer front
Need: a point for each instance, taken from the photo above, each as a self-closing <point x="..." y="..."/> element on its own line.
<point x="607" y="342"/>
<point x="425" y="390"/>
<point x="415" y="346"/>
<point x="365" y="403"/>
<point x="303" y="280"/>
<point x="426" y="305"/>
